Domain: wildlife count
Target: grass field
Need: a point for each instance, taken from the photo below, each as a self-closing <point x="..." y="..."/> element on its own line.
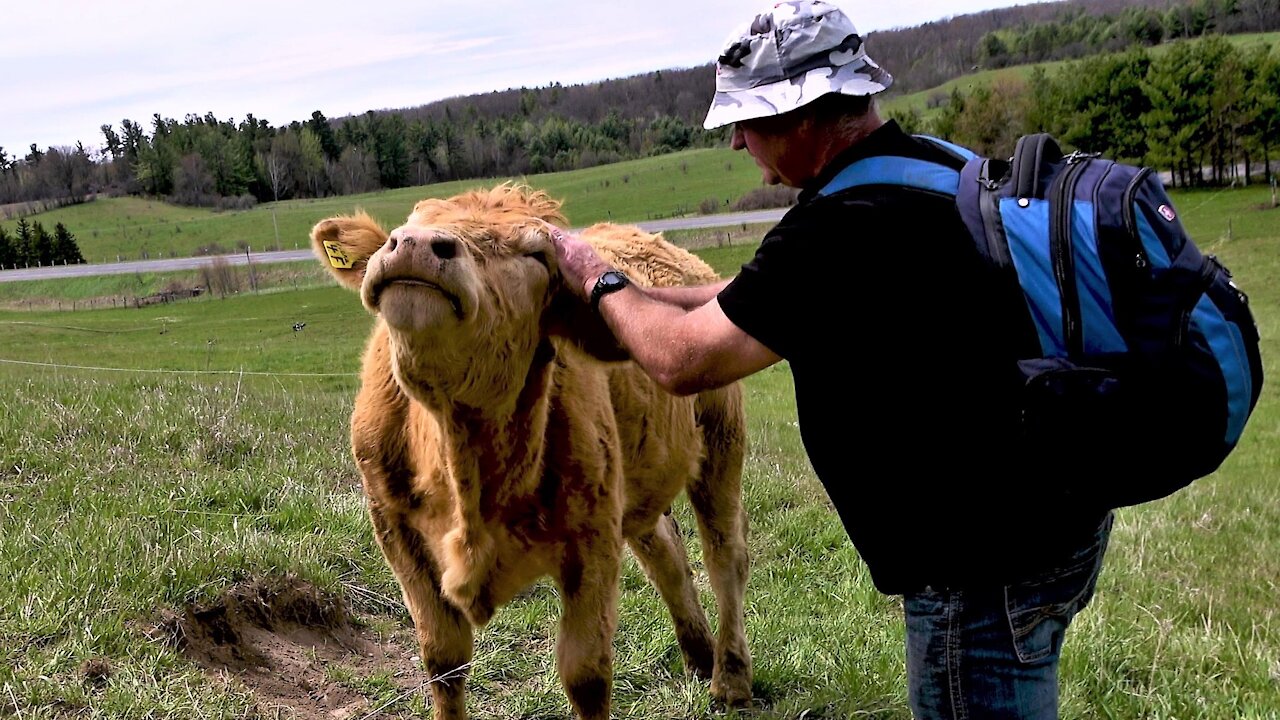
<point x="209" y="449"/>
<point x="114" y="229"/>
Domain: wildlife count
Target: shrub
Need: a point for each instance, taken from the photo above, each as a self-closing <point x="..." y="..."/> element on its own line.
<point x="219" y="277"/>
<point x="763" y="198"/>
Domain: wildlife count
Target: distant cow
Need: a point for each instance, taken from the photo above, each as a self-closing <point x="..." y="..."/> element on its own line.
<point x="298" y="326"/>
<point x="495" y="449"/>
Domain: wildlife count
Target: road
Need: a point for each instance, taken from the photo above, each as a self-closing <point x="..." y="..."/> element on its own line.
<point x="194" y="263"/>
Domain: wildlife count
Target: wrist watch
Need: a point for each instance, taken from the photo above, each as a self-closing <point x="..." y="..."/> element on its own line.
<point x="609" y="282"/>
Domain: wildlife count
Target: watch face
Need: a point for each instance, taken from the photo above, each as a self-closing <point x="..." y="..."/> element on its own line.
<point x="612" y="279"/>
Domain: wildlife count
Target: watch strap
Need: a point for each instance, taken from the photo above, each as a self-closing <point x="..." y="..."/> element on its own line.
<point x="608" y="282"/>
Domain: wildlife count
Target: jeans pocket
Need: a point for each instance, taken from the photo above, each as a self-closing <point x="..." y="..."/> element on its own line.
<point x="1040" y="609"/>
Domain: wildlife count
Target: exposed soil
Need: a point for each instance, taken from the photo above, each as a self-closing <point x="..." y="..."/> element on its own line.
<point x="282" y="639"/>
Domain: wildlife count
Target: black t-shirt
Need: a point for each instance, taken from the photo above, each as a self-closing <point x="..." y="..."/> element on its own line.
<point x="903" y="346"/>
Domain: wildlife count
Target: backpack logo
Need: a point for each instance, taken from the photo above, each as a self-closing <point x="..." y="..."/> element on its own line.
<point x="1167" y="213"/>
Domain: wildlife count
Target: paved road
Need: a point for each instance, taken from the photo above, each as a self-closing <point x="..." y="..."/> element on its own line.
<point x="194" y="263"/>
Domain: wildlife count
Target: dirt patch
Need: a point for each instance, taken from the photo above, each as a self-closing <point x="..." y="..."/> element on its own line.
<point x="299" y="651"/>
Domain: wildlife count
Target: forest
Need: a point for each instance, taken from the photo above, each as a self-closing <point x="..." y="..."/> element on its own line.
<point x="1207" y="113"/>
<point x="1192" y="106"/>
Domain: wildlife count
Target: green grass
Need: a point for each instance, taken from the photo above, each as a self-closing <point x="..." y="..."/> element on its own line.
<point x="111" y="229"/>
<point x="125" y="493"/>
<point x="108" y="291"/>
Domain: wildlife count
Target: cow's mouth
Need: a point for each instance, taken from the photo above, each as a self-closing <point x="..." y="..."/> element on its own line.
<point x="419" y="282"/>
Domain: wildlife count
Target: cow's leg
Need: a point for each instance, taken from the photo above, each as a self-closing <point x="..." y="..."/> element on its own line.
<point x="584" y="649"/>
<point x="716" y="497"/>
<point x="444" y="634"/>
<point x="662" y="556"/>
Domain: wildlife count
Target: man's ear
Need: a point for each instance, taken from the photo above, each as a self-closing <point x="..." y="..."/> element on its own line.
<point x="344" y="245"/>
<point x="572" y="318"/>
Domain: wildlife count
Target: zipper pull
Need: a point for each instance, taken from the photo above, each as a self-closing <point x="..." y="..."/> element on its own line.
<point x="1214" y="259"/>
<point x="1079" y="156"/>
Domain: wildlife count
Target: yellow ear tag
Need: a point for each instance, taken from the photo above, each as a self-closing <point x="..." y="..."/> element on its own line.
<point x="338" y="257"/>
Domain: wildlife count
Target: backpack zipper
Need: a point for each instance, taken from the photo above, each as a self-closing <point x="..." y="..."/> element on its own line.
<point x="1208" y="269"/>
<point x="1060" y="250"/>
<point x="1141" y="262"/>
<point x="997" y="244"/>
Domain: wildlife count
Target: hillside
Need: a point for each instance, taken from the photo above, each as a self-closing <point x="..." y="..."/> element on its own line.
<point x="930" y="101"/>
<point x="215" y="162"/>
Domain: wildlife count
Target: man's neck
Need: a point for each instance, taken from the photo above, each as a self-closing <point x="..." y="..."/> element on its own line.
<point x="831" y="142"/>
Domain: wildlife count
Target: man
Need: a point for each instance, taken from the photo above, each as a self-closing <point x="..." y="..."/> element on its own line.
<point x="990" y="570"/>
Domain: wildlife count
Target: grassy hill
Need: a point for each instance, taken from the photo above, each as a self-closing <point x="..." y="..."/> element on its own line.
<point x="922" y="101"/>
<point x="114" y="229"/>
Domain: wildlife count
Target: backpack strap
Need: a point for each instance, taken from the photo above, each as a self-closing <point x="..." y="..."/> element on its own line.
<point x="978" y="199"/>
<point x="903" y="171"/>
<point x="898" y="172"/>
<point x="1033" y="158"/>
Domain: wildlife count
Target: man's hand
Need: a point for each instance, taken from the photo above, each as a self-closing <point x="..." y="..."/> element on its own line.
<point x="578" y="261"/>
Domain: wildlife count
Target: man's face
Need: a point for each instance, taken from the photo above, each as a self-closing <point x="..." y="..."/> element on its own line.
<point x="779" y="148"/>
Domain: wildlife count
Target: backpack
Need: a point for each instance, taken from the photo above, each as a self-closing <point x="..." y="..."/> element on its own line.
<point x="1148" y="364"/>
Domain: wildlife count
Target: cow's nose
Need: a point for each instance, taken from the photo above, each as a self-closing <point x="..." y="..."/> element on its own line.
<point x="442" y="247"/>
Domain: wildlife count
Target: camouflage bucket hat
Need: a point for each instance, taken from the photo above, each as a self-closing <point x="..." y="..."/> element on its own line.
<point x="787" y="57"/>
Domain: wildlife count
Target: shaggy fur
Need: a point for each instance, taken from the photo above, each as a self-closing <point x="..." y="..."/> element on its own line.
<point x="496" y="445"/>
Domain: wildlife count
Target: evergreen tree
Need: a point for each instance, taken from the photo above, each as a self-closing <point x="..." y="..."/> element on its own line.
<point x="24" y="245"/>
<point x="1177" y="122"/>
<point x="1102" y="103"/>
<point x="390" y="151"/>
<point x="1264" y="124"/>
<point x="65" y="249"/>
<point x="8" y="255"/>
<point x="319" y="125"/>
<point x="41" y="246"/>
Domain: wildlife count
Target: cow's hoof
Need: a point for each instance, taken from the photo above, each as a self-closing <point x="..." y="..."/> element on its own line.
<point x="734" y="693"/>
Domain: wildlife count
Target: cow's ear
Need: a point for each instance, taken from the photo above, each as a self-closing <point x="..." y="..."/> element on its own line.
<point x="573" y="319"/>
<point x="344" y="245"/>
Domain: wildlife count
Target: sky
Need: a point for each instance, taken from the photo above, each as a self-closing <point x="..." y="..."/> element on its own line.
<point x="67" y="67"/>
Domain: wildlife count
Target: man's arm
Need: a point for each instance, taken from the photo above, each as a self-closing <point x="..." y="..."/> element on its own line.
<point x="680" y="337"/>
<point x="689" y="298"/>
<point x="684" y="351"/>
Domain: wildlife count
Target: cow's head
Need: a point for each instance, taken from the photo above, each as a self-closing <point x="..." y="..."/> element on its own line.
<point x="468" y="288"/>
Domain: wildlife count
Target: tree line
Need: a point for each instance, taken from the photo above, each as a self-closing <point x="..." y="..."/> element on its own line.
<point x="1076" y="33"/>
<point x="33" y="246"/>
<point x="223" y="163"/>
<point x="928" y="55"/>
<point x="1205" y="111"/>
<point x="206" y="161"/>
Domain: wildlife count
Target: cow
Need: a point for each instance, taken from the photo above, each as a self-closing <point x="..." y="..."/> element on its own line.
<point x="502" y="436"/>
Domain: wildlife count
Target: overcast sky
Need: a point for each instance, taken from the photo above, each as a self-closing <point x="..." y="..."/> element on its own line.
<point x="67" y="67"/>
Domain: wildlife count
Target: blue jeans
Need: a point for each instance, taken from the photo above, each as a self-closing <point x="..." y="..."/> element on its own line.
<point x="993" y="652"/>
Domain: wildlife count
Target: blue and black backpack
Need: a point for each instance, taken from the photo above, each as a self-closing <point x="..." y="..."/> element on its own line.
<point x="1148" y="364"/>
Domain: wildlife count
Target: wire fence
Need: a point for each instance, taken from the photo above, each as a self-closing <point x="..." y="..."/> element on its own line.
<point x="161" y="371"/>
